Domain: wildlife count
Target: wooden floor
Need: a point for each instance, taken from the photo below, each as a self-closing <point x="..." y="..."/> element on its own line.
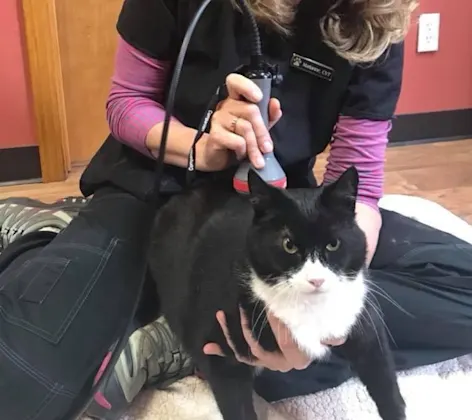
<point x="438" y="171"/>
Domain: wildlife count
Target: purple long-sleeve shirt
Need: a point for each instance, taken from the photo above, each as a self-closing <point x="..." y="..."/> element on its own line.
<point x="134" y="106"/>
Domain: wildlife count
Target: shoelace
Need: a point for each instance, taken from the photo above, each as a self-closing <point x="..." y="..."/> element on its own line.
<point x="17" y="220"/>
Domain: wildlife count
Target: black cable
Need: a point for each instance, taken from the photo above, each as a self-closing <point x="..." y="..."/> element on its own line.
<point x="256" y="58"/>
<point x="171" y="97"/>
<point x="256" y="47"/>
<point x="191" y="162"/>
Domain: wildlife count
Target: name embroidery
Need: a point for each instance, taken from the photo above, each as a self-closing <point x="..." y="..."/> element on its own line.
<point x="312" y="67"/>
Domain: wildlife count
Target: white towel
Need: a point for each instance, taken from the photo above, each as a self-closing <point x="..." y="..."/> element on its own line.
<point x="437" y="392"/>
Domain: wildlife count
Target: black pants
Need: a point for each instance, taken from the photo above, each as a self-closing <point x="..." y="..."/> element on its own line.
<point x="64" y="302"/>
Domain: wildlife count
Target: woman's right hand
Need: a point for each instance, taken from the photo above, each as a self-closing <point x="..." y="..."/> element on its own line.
<point x="237" y="127"/>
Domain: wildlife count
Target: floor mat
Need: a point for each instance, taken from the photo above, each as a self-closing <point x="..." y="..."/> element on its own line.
<point x="434" y="392"/>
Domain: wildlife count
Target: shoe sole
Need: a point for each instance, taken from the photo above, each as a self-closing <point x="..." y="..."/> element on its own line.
<point x="31" y="202"/>
<point x="114" y="396"/>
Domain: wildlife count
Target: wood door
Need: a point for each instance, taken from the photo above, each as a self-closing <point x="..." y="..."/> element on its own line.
<point x="70" y="46"/>
<point x="87" y="42"/>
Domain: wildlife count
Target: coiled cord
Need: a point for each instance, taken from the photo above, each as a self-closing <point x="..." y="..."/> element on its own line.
<point x="256" y="46"/>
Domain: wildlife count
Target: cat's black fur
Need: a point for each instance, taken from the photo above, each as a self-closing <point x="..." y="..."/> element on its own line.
<point x="205" y="240"/>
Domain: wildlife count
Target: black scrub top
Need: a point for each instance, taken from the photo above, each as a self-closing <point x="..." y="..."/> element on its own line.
<point x="318" y="86"/>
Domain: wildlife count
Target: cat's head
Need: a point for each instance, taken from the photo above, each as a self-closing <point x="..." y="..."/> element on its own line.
<point x="306" y="240"/>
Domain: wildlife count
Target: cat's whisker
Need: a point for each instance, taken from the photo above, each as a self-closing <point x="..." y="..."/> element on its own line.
<point x="380" y="313"/>
<point x="375" y="288"/>
<point x="283" y="291"/>
<point x="280" y="289"/>
<point x="291" y="295"/>
<point x="378" y="310"/>
<point x="360" y="325"/>
<point x="297" y="299"/>
<point x="253" y="323"/>
<point x="264" y="323"/>
<point x="254" y="326"/>
<point x="373" y="325"/>
<point x="256" y="302"/>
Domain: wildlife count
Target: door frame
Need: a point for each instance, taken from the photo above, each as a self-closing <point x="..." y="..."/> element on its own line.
<point x="47" y="88"/>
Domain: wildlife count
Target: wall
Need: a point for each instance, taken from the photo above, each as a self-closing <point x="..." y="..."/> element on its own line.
<point x="440" y="80"/>
<point x="432" y="81"/>
<point x="16" y="127"/>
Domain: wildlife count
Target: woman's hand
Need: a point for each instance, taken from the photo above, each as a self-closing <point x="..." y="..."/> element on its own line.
<point x="290" y="357"/>
<point x="237" y="126"/>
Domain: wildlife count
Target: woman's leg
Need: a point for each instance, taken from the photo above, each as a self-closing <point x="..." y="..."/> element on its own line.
<point x="422" y="281"/>
<point x="64" y="302"/>
<point x="427" y="274"/>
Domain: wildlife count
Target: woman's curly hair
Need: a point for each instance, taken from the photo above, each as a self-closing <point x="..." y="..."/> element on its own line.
<point x="358" y="30"/>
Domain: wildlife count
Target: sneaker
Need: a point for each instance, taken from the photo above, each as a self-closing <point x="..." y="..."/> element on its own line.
<point x="152" y="358"/>
<point x="19" y="216"/>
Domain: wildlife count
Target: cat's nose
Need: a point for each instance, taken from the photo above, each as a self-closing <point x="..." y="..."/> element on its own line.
<point x="317" y="283"/>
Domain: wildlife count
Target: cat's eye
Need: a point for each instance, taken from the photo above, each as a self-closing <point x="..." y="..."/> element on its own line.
<point x="333" y="246"/>
<point x="289" y="246"/>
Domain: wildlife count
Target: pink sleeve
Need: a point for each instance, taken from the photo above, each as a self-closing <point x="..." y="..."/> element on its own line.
<point x="361" y="143"/>
<point x="134" y="104"/>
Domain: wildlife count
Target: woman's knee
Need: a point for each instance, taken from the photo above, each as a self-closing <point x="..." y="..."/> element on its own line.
<point x="118" y="212"/>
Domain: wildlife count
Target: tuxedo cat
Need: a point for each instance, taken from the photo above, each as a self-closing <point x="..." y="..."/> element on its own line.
<point x="298" y="253"/>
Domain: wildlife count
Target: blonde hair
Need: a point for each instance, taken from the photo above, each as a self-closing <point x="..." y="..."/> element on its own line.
<point x="358" y="30"/>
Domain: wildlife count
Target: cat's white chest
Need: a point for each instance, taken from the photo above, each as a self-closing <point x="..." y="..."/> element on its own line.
<point x="317" y="321"/>
<point x="315" y="316"/>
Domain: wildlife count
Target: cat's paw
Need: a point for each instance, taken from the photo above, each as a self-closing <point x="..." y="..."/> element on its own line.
<point x="395" y="413"/>
<point x="396" y="416"/>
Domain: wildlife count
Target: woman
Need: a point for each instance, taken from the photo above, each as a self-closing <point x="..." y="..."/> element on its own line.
<point x="64" y="306"/>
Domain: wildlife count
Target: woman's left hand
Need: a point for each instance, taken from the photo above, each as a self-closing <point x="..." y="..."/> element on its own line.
<point x="290" y="356"/>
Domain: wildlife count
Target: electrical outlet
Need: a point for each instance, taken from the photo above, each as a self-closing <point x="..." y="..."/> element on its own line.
<point x="428" y="32"/>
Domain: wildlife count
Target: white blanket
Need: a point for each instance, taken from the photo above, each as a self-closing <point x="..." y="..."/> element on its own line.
<point x="438" y="392"/>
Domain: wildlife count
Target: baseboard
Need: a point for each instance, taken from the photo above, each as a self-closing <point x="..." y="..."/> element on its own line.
<point x="432" y="126"/>
<point x="19" y="164"/>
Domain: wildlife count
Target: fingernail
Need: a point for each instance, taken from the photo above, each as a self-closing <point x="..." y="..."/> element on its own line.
<point x="267" y="146"/>
<point x="260" y="162"/>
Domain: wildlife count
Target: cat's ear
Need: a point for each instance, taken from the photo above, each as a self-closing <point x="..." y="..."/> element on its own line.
<point x="261" y="193"/>
<point x="343" y="191"/>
